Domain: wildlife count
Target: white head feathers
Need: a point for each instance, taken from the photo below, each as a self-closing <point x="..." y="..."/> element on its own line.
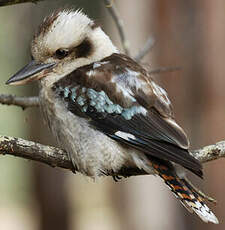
<point x="67" y="25"/>
<point x="66" y="29"/>
<point x="63" y="29"/>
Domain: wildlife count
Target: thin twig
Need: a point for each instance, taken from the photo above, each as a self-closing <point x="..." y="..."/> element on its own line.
<point x="164" y="70"/>
<point x="23" y="102"/>
<point x="13" y="2"/>
<point x="56" y="157"/>
<point x="119" y="24"/>
<point x="210" y="152"/>
<point x="149" y="44"/>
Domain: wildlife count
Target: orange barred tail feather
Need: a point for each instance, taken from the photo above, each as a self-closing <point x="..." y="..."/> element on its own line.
<point x="190" y="199"/>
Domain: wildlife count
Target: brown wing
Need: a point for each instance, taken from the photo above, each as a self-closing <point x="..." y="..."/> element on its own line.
<point x="124" y="103"/>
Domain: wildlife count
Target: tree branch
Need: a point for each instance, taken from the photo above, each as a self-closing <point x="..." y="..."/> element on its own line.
<point x="23" y="102"/>
<point x="34" y="151"/>
<point x="145" y="49"/>
<point x="13" y="2"/>
<point x="49" y="155"/>
<point x="56" y="157"/>
<point x="119" y="24"/>
<point x="210" y="152"/>
<point x="164" y="70"/>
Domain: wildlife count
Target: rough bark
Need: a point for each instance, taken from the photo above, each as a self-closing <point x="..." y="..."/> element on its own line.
<point x="56" y="157"/>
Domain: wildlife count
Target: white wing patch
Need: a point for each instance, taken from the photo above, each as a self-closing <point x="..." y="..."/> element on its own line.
<point x="125" y="136"/>
<point x="98" y="64"/>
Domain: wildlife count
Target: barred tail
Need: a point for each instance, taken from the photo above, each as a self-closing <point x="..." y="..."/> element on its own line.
<point x="184" y="192"/>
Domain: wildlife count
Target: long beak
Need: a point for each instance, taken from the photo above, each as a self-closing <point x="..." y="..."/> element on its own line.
<point x="28" y="73"/>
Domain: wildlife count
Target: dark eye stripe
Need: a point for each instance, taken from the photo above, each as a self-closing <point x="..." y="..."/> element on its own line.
<point x="84" y="49"/>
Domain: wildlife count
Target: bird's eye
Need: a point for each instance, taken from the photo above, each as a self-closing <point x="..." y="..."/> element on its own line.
<point x="61" y="53"/>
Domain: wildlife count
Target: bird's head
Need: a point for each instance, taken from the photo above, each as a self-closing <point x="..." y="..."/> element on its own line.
<point x="65" y="40"/>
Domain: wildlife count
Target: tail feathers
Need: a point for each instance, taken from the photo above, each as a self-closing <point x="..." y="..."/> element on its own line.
<point x="184" y="192"/>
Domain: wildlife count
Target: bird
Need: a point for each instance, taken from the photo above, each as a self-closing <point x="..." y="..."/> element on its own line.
<point x="105" y="109"/>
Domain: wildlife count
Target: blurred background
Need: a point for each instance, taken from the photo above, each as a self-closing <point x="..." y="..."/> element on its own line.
<point x="189" y="34"/>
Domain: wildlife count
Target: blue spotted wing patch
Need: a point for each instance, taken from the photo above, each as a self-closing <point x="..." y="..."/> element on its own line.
<point x="134" y="126"/>
<point x="93" y="102"/>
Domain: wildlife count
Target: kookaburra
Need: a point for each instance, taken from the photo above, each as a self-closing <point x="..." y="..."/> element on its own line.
<point x="105" y="110"/>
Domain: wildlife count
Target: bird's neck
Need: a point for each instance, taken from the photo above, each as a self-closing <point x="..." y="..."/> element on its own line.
<point x="102" y="45"/>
